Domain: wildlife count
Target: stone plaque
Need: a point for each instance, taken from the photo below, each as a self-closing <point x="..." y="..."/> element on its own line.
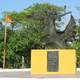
<point x="52" y="61"/>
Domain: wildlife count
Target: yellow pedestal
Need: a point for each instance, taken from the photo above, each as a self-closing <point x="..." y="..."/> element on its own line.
<point x="66" y="61"/>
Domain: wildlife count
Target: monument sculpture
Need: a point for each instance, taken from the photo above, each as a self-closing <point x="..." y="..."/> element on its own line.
<point x="56" y="38"/>
<point x="59" y="28"/>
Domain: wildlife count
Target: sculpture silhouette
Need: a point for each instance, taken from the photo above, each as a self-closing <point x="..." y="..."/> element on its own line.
<point x="54" y="38"/>
<point x="58" y="39"/>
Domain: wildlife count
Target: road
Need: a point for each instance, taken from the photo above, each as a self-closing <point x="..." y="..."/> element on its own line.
<point x="27" y="74"/>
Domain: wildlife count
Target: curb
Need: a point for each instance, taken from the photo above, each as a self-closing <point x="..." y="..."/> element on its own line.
<point x="19" y="70"/>
<point x="14" y="70"/>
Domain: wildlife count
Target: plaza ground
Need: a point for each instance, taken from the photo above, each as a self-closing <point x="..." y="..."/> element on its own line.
<point x="26" y="73"/>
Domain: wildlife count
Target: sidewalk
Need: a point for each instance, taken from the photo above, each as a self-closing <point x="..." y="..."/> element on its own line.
<point x="25" y="73"/>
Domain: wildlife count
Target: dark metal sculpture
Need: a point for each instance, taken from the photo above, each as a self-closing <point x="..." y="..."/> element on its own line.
<point x="54" y="38"/>
<point x="58" y="39"/>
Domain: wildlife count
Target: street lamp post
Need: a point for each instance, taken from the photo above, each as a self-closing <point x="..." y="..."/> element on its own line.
<point x="5" y="44"/>
<point x="8" y="19"/>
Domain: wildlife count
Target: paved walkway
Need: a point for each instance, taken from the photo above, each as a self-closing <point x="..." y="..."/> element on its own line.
<point x="27" y="74"/>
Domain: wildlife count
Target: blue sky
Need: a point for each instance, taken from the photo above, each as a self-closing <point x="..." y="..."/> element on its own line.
<point x="19" y="5"/>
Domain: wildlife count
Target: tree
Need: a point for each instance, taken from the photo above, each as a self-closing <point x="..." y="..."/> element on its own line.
<point x="28" y="33"/>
